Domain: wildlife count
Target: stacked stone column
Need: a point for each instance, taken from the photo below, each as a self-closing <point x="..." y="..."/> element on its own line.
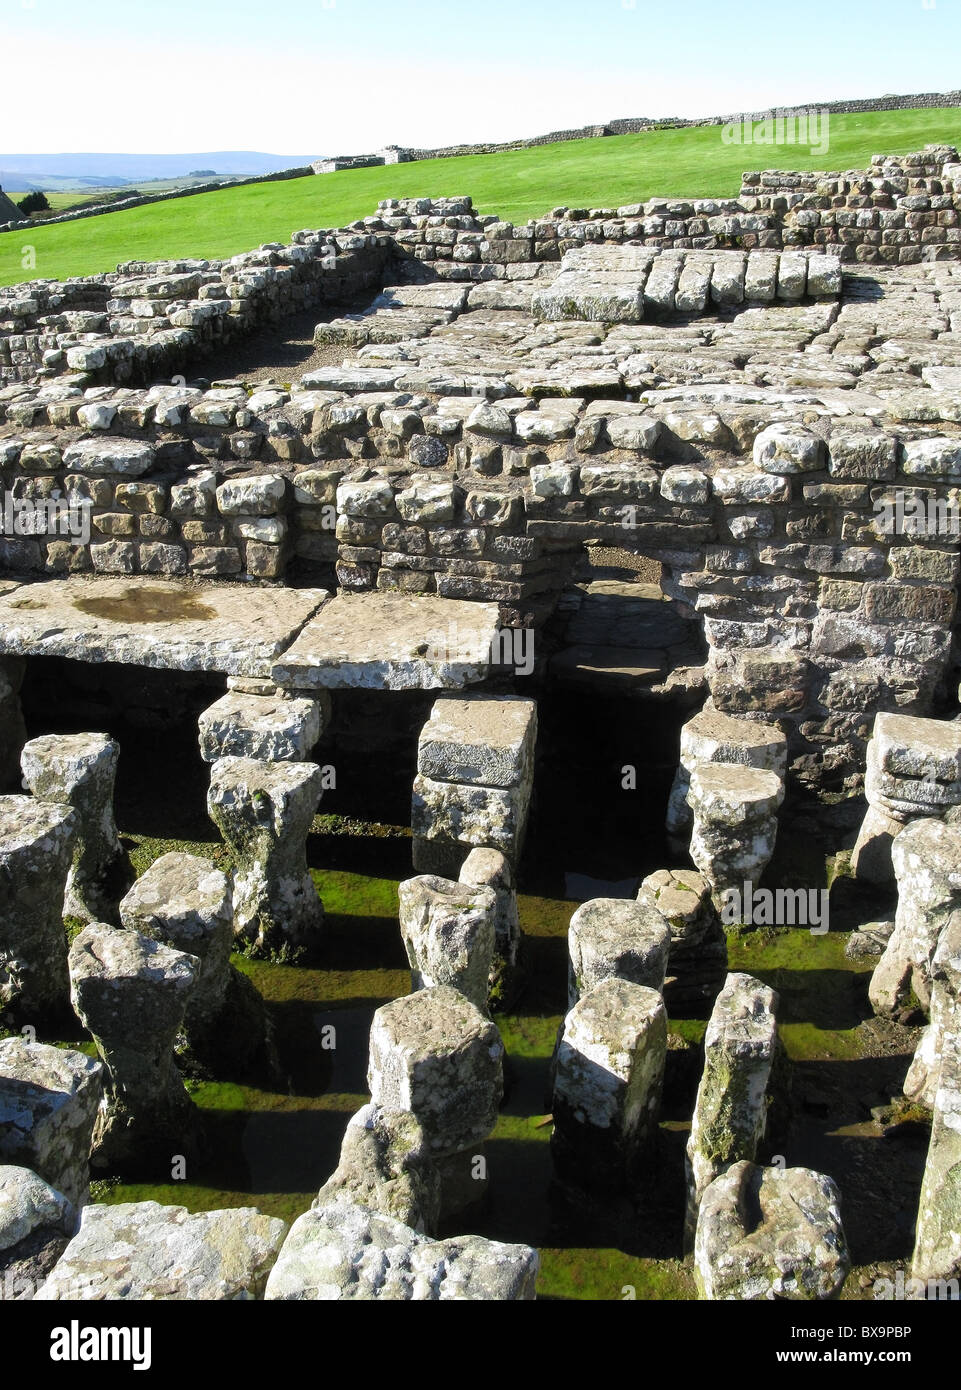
<point x="913" y="771"/>
<point x="475" y="769"/>
<point x="697" y="956"/>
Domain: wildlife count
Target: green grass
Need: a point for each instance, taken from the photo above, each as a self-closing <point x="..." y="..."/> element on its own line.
<point x="517" y="184"/>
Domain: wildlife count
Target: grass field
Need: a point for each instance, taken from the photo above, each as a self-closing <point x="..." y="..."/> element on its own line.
<point x="517" y="184"/>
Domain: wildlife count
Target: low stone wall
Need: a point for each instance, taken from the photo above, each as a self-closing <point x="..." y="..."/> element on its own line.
<point x="147" y="319"/>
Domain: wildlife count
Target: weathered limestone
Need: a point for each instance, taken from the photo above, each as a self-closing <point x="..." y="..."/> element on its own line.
<point x="448" y="932"/>
<point x="264" y="812"/>
<point x="488" y="868"/>
<point x="435" y="1054"/>
<point x="269" y="727"/>
<point x="346" y="1251"/>
<point x="36" y="844"/>
<point x="385" y="641"/>
<point x="184" y="901"/>
<point x="609" y="1071"/>
<point x="697" y="955"/>
<point x="713" y="737"/>
<point x="730" y="1113"/>
<point x="913" y="770"/>
<point x="770" y="1233"/>
<point x="475" y="767"/>
<point x="169" y="624"/>
<point x="131" y="994"/>
<point x="49" y="1098"/>
<point x="80" y="770"/>
<point x="36" y="1222"/>
<point x="735" y="822"/>
<point x="28" y="1204"/>
<point x="614" y="938"/>
<point x="142" y="1250"/>
<point x="937" y="1246"/>
<point x="13" y="731"/>
<point x="922" y="1080"/>
<point x="386" y="1167"/>
<point x="926" y="857"/>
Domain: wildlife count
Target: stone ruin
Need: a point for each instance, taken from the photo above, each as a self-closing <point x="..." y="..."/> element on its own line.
<point x="752" y="399"/>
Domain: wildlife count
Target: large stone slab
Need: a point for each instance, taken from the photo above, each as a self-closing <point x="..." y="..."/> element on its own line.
<point x="172" y="625"/>
<point x="142" y="1250"/>
<point x="347" y="1252"/>
<point x="383" y="641"/>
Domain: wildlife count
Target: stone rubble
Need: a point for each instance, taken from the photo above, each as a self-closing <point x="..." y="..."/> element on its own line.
<point x="770" y="1234"/>
<point x="49" y="1102"/>
<point x="349" y="1252"/>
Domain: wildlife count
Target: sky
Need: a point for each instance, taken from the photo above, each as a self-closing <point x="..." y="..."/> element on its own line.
<point x="349" y="76"/>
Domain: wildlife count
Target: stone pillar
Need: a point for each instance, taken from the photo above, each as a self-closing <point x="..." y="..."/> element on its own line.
<point x="730" y="1114"/>
<point x="475" y="770"/>
<point x="275" y="728"/>
<point x="735" y="822"/>
<point x="184" y="901"/>
<point x="80" y="770"/>
<point x="264" y="812"/>
<point x="131" y="994"/>
<point x="614" y="938"/>
<point x="13" y="731"/>
<point x="448" y="931"/>
<point x="924" y="1074"/>
<point x="913" y="771"/>
<point x="609" y="1073"/>
<point x="712" y="737"/>
<point x="926" y="858"/>
<point x="36" y="843"/>
<point x="770" y="1233"/>
<point x="937" y="1245"/>
<point x="488" y="868"/>
<point x="386" y="1166"/>
<point x="697" y="956"/>
<point x="49" y="1099"/>
<point x="435" y="1054"/>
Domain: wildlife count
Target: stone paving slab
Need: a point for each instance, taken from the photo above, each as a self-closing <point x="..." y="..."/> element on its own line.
<point x="169" y="625"/>
<point x="383" y="641"/>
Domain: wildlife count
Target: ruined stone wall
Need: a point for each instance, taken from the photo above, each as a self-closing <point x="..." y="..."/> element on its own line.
<point x="145" y="320"/>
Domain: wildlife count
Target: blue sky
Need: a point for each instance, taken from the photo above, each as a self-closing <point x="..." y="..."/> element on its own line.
<point x="343" y="76"/>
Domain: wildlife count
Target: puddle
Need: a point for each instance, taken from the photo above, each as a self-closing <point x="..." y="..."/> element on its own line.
<point x="138" y="604"/>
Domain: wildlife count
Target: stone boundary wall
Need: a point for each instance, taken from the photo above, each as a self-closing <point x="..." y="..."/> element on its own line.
<point x="141" y="199"/>
<point x="636" y="125"/>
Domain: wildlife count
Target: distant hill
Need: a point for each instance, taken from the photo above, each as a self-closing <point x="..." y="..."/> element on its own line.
<point x="23" y="172"/>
